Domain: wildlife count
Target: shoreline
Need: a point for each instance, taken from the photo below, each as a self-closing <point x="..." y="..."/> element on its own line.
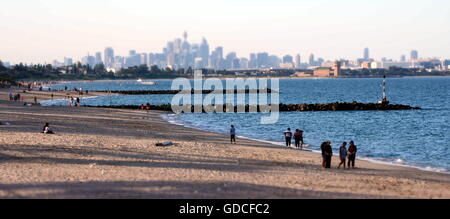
<point x="281" y="145"/>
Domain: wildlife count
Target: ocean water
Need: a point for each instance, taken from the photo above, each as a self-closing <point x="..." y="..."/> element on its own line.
<point x="417" y="138"/>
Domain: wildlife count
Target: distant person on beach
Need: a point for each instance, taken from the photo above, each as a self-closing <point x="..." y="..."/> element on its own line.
<point x="322" y="148"/>
<point x="11" y="97"/>
<point x="70" y="101"/>
<point x="142" y="107"/>
<point x="78" y="101"/>
<point x="233" y="134"/>
<point x="329" y="154"/>
<point x="288" y="137"/>
<point x="147" y="107"/>
<point x="298" y="137"/>
<point x="52" y="96"/>
<point x="46" y="129"/>
<point x="343" y="154"/>
<point x="352" y="149"/>
<point x="35" y="100"/>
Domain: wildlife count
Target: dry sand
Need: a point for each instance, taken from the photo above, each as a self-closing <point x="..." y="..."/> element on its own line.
<point x="105" y="153"/>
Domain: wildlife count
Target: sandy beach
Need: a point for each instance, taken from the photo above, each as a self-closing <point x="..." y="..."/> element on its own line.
<point x="111" y="153"/>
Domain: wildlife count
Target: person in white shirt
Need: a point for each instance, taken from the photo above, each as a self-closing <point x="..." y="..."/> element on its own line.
<point x="288" y="137"/>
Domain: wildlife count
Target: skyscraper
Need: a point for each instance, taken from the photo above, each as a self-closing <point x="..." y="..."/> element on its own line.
<point x="298" y="61"/>
<point x="366" y="54"/>
<point x="403" y="58"/>
<point x="98" y="58"/>
<point x="109" y="57"/>
<point x="204" y="53"/>
<point x="288" y="59"/>
<point x="414" y="55"/>
<point x="311" y="60"/>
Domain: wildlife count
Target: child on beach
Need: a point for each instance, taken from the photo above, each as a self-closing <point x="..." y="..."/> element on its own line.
<point x="288" y="137"/>
<point x="233" y="134"/>
<point x="46" y="129"/>
<point x="342" y="154"/>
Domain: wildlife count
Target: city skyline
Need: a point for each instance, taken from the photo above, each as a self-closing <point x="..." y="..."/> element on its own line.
<point x="46" y="30"/>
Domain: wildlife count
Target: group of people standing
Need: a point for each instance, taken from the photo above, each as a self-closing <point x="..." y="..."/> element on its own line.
<point x="345" y="154"/>
<point x="146" y="107"/>
<point x="298" y="137"/>
<point x="15" y="97"/>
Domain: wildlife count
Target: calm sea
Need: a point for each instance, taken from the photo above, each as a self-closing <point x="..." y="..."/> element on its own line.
<point x="416" y="138"/>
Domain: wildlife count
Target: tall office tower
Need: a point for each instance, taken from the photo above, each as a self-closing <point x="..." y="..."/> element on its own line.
<point x="98" y="58"/>
<point x="68" y="61"/>
<point x="109" y="57"/>
<point x="274" y="61"/>
<point x="311" y="60"/>
<point x="216" y="58"/>
<point x="229" y="60"/>
<point x="144" y="59"/>
<point x="252" y="62"/>
<point x="366" y="54"/>
<point x="243" y="63"/>
<point x="236" y="63"/>
<point x="204" y="53"/>
<point x="403" y="58"/>
<point x="288" y="59"/>
<point x="262" y="60"/>
<point x="298" y="61"/>
<point x="414" y="55"/>
<point x="132" y="53"/>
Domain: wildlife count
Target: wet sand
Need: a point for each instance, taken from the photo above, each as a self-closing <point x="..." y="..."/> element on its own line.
<point x="111" y="153"/>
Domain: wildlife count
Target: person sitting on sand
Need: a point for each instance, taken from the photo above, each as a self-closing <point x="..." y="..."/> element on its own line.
<point x="46" y="129"/>
<point x="342" y="154"/>
<point x="352" y="149"/>
<point x="233" y="134"/>
<point x="288" y="137"/>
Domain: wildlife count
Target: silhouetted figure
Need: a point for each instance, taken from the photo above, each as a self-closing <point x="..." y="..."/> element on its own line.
<point x="352" y="149"/>
<point x="232" y="134"/>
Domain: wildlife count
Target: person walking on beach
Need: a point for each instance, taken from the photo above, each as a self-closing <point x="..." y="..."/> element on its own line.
<point x="288" y="137"/>
<point x="11" y="97"/>
<point x="298" y="138"/>
<point x="78" y="101"/>
<point x="232" y="134"/>
<point x="342" y="154"/>
<point x="352" y="149"/>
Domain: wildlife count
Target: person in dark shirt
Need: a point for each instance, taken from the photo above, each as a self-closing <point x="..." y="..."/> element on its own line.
<point x="323" y="149"/>
<point x="352" y="149"/>
<point x="328" y="154"/>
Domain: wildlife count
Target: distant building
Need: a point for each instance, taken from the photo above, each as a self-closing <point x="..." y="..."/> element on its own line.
<point x="98" y="58"/>
<point x="68" y="61"/>
<point x="109" y="57"/>
<point x="322" y="72"/>
<point x="337" y="69"/>
<point x="288" y="59"/>
<point x="298" y="61"/>
<point x="366" y="54"/>
<point x="403" y="58"/>
<point x="311" y="60"/>
<point x="414" y="55"/>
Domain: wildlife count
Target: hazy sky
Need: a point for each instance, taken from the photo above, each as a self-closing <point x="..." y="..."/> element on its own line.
<point x="44" y="30"/>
